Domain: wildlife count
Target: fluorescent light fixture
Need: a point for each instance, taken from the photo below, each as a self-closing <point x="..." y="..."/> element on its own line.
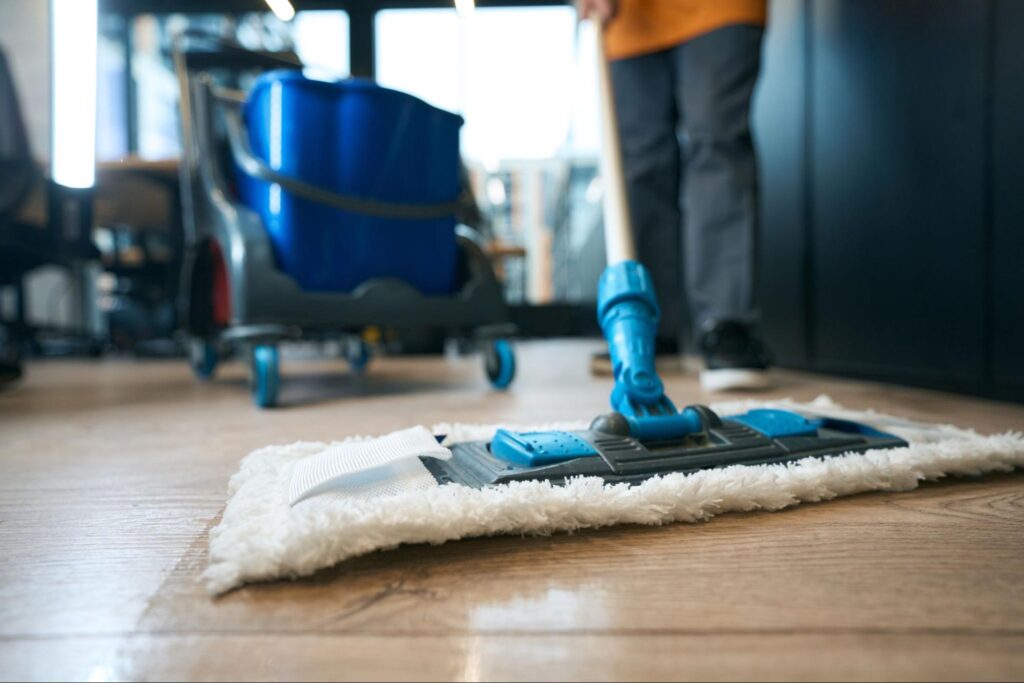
<point x="73" y="36"/>
<point x="282" y="9"/>
<point x="464" y="7"/>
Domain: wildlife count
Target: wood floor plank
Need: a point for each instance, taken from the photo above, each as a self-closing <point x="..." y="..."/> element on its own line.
<point x="849" y="564"/>
<point x="665" y="657"/>
<point x="111" y="473"/>
<point x="92" y="658"/>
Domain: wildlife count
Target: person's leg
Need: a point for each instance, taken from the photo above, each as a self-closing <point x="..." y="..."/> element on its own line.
<point x="644" y="89"/>
<point x="717" y="73"/>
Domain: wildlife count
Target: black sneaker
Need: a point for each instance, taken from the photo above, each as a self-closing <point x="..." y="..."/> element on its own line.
<point x="734" y="358"/>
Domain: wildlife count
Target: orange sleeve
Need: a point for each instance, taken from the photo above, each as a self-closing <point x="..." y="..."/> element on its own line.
<point x="642" y="26"/>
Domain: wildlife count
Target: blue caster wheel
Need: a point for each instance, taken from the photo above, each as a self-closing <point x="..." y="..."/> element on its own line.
<point x="500" y="363"/>
<point x="358" y="356"/>
<point x="202" y="357"/>
<point x="264" y="375"/>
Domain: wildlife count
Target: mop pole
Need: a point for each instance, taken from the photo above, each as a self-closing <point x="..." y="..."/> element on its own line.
<point x="618" y="230"/>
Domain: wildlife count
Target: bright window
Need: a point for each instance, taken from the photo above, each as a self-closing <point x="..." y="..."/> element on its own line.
<point x="509" y="71"/>
<point x="318" y="37"/>
<point x="321" y="40"/>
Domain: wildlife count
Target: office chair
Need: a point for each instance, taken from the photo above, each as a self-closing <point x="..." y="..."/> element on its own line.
<point x="24" y="244"/>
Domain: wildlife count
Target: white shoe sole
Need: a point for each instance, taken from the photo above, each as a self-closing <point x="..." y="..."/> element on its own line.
<point x="733" y="379"/>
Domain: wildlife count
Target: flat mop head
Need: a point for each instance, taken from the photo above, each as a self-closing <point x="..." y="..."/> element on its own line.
<point x="382" y="494"/>
<point x="615" y="448"/>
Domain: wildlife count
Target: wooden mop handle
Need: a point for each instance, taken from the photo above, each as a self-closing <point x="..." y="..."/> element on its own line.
<point x="618" y="231"/>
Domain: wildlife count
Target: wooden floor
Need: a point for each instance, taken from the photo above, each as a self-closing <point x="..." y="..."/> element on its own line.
<point x="111" y="474"/>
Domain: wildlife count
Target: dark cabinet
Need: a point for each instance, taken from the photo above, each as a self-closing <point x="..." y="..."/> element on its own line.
<point x="780" y="123"/>
<point x="893" y="194"/>
<point x="1007" y="282"/>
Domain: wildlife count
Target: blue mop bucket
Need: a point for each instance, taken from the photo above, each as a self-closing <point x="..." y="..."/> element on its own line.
<point x="362" y="141"/>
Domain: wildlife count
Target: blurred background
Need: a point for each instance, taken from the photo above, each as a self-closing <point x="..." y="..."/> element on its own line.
<point x="891" y="243"/>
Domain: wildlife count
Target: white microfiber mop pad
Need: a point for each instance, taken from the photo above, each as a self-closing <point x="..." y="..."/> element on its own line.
<point x="262" y="536"/>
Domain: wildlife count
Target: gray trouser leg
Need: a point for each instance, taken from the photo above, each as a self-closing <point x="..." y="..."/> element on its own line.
<point x="716" y="74"/>
<point x="648" y="120"/>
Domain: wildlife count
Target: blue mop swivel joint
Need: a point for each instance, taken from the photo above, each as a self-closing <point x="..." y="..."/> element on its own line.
<point x="627" y="311"/>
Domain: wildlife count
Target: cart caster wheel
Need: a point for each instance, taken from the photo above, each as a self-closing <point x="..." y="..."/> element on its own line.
<point x="202" y="357"/>
<point x="264" y="375"/>
<point x="500" y="363"/>
<point x="358" y="356"/>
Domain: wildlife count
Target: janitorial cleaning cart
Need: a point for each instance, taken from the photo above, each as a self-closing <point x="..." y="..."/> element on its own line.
<point x="316" y="209"/>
